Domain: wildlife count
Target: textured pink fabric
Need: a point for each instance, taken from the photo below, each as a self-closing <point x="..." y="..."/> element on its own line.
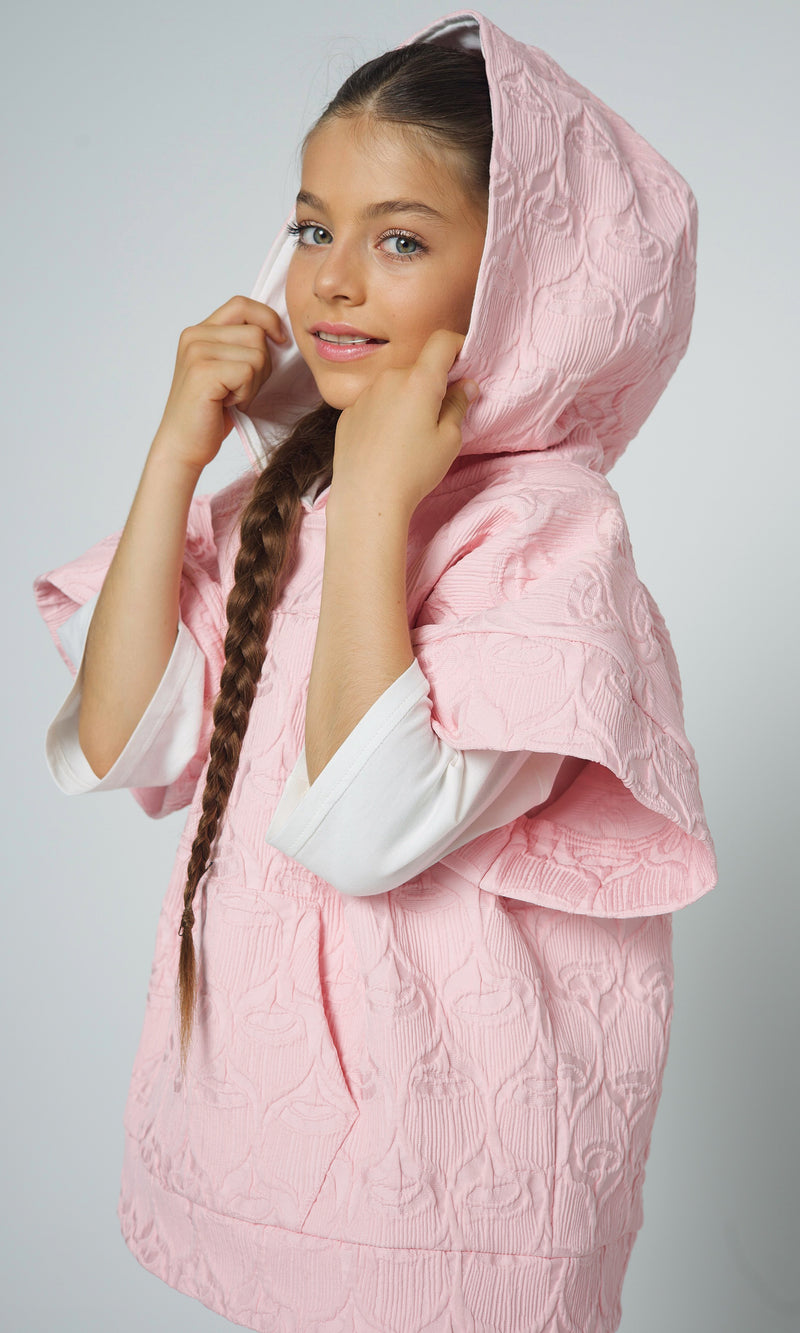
<point x="431" y="1109"/>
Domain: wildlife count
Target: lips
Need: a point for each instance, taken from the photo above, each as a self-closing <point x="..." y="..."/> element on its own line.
<point x="344" y="343"/>
<point x="343" y="335"/>
<point x="341" y="339"/>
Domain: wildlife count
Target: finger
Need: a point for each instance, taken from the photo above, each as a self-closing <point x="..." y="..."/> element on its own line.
<point x="204" y="349"/>
<point x="229" y="374"/>
<point x="237" y="383"/>
<point x="244" y="310"/>
<point x="220" y="336"/>
<point x="457" y="400"/>
<point x="440" y="351"/>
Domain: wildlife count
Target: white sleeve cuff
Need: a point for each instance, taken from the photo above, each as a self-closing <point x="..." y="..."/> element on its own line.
<point x="166" y="737"/>
<point x="395" y="798"/>
<point x="74" y="630"/>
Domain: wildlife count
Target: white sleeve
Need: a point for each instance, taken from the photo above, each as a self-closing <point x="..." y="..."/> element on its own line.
<point x="395" y="798"/>
<point x="165" y="738"/>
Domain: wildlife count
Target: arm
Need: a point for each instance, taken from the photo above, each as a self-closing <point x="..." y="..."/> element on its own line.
<point x="394" y="798"/>
<point x="135" y="622"/>
<point x="393" y="446"/>
<point x="221" y="362"/>
<point x="363" y="642"/>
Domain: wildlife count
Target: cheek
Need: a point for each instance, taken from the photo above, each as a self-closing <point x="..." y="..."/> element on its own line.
<point x="454" y="309"/>
<point x="293" y="292"/>
<point x="464" y="312"/>
<point x="455" y="312"/>
<point x="468" y="283"/>
<point x="443" y="302"/>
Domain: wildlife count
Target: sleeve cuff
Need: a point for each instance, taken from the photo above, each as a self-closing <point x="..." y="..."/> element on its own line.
<point x="296" y="820"/>
<point x="165" y="738"/>
<point x="395" y="798"/>
<point x="73" y="631"/>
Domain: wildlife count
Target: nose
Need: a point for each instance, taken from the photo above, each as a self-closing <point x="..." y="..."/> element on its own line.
<point x="339" y="274"/>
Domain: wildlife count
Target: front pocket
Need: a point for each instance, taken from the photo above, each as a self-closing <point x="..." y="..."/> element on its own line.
<point x="265" y="1106"/>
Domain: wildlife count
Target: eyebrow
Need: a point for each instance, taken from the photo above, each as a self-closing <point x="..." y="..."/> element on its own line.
<point x="377" y="210"/>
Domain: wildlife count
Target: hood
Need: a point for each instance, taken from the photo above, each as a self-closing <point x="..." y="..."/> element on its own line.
<point x="526" y="614"/>
<point x="585" y="293"/>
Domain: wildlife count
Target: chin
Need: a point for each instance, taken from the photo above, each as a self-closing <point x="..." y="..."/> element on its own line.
<point x="339" y="395"/>
<point x="339" y="400"/>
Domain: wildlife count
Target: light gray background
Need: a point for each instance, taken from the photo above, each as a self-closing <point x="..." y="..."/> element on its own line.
<point x="150" y="162"/>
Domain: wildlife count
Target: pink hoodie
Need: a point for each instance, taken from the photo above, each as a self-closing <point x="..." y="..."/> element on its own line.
<point x="431" y="1108"/>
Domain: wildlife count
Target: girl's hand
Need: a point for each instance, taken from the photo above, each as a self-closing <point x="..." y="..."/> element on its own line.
<point x="396" y="442"/>
<point x="221" y="362"/>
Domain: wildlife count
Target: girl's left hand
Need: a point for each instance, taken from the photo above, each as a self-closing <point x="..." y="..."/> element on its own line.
<point x="398" y="439"/>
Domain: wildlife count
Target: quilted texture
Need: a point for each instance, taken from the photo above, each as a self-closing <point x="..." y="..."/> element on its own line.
<point x="431" y="1109"/>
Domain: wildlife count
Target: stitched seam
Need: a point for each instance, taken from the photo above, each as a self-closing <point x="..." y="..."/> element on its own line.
<point x="556" y="638"/>
<point x="365" y="1244"/>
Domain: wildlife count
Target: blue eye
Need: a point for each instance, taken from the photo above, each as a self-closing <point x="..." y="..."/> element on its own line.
<point x="308" y="233"/>
<point x="408" y="247"/>
<point x="404" y="243"/>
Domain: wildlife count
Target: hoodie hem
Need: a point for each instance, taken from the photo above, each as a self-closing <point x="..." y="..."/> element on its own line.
<point x="257" y="1274"/>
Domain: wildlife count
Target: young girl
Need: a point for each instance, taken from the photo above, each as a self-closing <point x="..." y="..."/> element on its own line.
<point x="412" y="989"/>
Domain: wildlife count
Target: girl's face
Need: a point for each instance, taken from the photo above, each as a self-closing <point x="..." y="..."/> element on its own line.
<point x="388" y="247"/>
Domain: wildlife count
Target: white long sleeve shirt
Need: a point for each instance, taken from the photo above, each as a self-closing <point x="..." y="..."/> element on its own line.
<point x="393" y="799"/>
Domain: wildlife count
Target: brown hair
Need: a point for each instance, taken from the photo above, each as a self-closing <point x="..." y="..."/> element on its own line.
<point x="444" y="95"/>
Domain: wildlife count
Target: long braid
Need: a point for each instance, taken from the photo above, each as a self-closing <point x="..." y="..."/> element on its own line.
<point x="269" y="529"/>
<point x="445" y="95"/>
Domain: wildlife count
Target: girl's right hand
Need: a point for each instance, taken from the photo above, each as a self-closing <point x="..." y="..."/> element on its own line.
<point x="221" y="362"/>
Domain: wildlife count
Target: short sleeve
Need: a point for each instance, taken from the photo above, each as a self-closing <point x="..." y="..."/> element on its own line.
<point x="193" y="671"/>
<point x="535" y="633"/>
<point x="394" y="798"/>
<point x="165" y="738"/>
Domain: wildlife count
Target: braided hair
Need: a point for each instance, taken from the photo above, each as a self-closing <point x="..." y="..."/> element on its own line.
<point x="443" y="96"/>
<point x="268" y="541"/>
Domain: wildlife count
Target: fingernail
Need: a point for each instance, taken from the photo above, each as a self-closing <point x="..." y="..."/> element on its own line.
<point x="471" y="389"/>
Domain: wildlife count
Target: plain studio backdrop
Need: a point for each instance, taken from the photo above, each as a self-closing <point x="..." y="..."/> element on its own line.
<point x="151" y="159"/>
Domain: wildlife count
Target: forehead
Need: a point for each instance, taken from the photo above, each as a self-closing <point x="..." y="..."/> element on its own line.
<point x="361" y="160"/>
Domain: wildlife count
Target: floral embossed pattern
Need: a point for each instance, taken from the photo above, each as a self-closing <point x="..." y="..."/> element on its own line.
<point x="431" y="1109"/>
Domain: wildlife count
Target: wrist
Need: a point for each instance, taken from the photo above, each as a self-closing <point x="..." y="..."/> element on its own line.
<point x="348" y="510"/>
<point x="165" y="458"/>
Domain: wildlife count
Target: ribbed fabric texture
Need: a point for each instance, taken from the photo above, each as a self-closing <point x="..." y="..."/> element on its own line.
<point x="431" y="1108"/>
